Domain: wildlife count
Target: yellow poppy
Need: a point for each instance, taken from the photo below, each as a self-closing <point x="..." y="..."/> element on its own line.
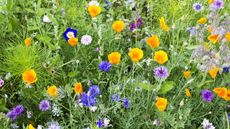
<point x="202" y="20"/>
<point x="136" y="54"/>
<point x="187" y="74"/>
<point x="29" y="76"/>
<point x="114" y="58"/>
<point x="78" y="88"/>
<point x="52" y="91"/>
<point x="227" y="36"/>
<point x="73" y="41"/>
<point x="163" y="24"/>
<point x="27" y="42"/>
<point x="187" y="92"/>
<point x="94" y="10"/>
<point x="161" y="103"/>
<point x="221" y="91"/>
<point x="160" y="57"/>
<point x="153" y="41"/>
<point x="227" y="97"/>
<point x="213" y="72"/>
<point x="30" y="126"/>
<point x="118" y="26"/>
<point x="214" y="38"/>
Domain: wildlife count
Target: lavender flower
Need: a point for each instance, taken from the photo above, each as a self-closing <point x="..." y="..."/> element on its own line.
<point x="161" y="72"/>
<point x="44" y="105"/>
<point x="126" y="103"/>
<point x="197" y="7"/>
<point x="132" y="26"/>
<point x="207" y="95"/>
<point x="139" y="22"/>
<point x="1" y="83"/>
<point x="217" y="4"/>
<point x="54" y="125"/>
<point x="105" y="66"/>
<point x="207" y="125"/>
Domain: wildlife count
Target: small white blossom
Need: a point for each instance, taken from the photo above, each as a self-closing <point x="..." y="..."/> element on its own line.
<point x="46" y="19"/>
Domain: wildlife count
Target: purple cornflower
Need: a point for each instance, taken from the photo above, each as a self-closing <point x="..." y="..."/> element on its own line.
<point x="15" y="112"/>
<point x="207" y="95"/>
<point x="126" y="103"/>
<point x="44" y="105"/>
<point x="161" y="72"/>
<point x="217" y="4"/>
<point x="94" y="90"/>
<point x="100" y="123"/>
<point x="197" y="7"/>
<point x="105" y="66"/>
<point x="116" y="97"/>
<point x="1" y="83"/>
<point x="139" y="22"/>
<point x="132" y="26"/>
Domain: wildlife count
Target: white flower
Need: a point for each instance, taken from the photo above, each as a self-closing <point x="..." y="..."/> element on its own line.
<point x="93" y="108"/>
<point x="54" y="125"/>
<point x="106" y="122"/>
<point x="93" y="2"/>
<point x="207" y="125"/>
<point x="46" y="19"/>
<point x="86" y="39"/>
<point x="39" y="127"/>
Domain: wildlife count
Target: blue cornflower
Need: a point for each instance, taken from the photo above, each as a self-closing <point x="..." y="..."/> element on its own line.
<point x="94" y="90"/>
<point x="70" y="33"/>
<point x="126" y="103"/>
<point x="100" y="123"/>
<point x="105" y="66"/>
<point x="197" y="7"/>
<point x="87" y="100"/>
<point x="226" y="69"/>
<point x="107" y="4"/>
<point x="116" y="97"/>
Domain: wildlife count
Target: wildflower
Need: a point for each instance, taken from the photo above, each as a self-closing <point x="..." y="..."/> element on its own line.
<point x="86" y="39"/>
<point x="116" y="97"/>
<point x="161" y="72"/>
<point x="100" y="123"/>
<point x="132" y="26"/>
<point x="227" y="36"/>
<point x="73" y="41"/>
<point x="217" y="4"/>
<point x="160" y="57"/>
<point x="227" y="97"/>
<point x="210" y="1"/>
<point x="107" y="4"/>
<point x="54" y="125"/>
<point x="46" y="19"/>
<point x="106" y="122"/>
<point x="202" y="20"/>
<point x="213" y="72"/>
<point x="70" y="33"/>
<point x="126" y="103"/>
<point x="27" y="42"/>
<point x="78" y="88"/>
<point x="93" y="108"/>
<point x="157" y="122"/>
<point x="93" y="2"/>
<point x="207" y="125"/>
<point x="192" y="30"/>
<point x="214" y="38"/>
<point x="161" y="103"/>
<point x="87" y="100"/>
<point x="221" y="91"/>
<point x="29" y="76"/>
<point x="153" y="41"/>
<point x="44" y="105"/>
<point x="187" y="74"/>
<point x="105" y="66"/>
<point x="118" y="26"/>
<point x="1" y="82"/>
<point x="114" y="58"/>
<point x="225" y="69"/>
<point x="94" y="10"/>
<point x="207" y="95"/>
<point x="15" y="112"/>
<point x="197" y="7"/>
<point x="52" y="91"/>
<point x="163" y="24"/>
<point x="136" y="54"/>
<point x="187" y="92"/>
<point x="30" y="126"/>
<point x="94" y="90"/>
